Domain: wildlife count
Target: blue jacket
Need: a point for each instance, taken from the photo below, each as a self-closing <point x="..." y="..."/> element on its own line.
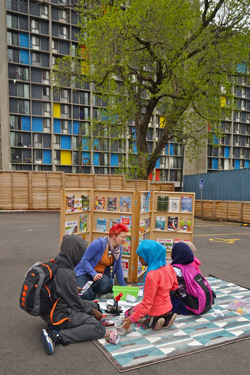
<point x="92" y="257"/>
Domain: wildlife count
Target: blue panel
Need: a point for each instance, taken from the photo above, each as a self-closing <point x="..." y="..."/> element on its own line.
<point x="134" y="133"/>
<point x="65" y="142"/>
<point x="26" y="123"/>
<point x="46" y="157"/>
<point x="75" y="127"/>
<point x="85" y="157"/>
<point x="237" y="164"/>
<point x="114" y="160"/>
<point x="215" y="139"/>
<point x="157" y="163"/>
<point x="24" y="57"/>
<point x="37" y="124"/>
<point x="85" y="144"/>
<point x="96" y="159"/>
<point x="226" y="152"/>
<point x="166" y="149"/>
<point x="171" y="149"/>
<point x="96" y="145"/>
<point x="246" y="163"/>
<point x="24" y="40"/>
<point x="134" y="148"/>
<point x="215" y="163"/>
<point x="57" y="126"/>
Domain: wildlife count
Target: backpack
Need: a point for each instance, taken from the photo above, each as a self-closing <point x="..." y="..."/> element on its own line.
<point x="199" y="296"/>
<point x="37" y="295"/>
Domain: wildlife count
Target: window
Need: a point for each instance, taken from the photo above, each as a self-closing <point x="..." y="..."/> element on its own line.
<point x="15" y="122"/>
<point x="85" y="128"/>
<point x="55" y="45"/>
<point x="35" y="42"/>
<point x="63" y="32"/>
<point x="45" y="76"/>
<point x="44" y="11"/>
<point x="23" y="90"/>
<point x="46" y="109"/>
<point x="62" y="15"/>
<point x="237" y="116"/>
<point x="35" y="59"/>
<point x="84" y="98"/>
<point x="248" y="118"/>
<point x="15" y="139"/>
<point x="64" y="96"/>
<point x="23" y="73"/>
<point x="34" y="26"/>
<point x="46" y="125"/>
<point x="57" y="157"/>
<point x="65" y="127"/>
<point x="12" y="21"/>
<point x="237" y="128"/>
<point x="243" y="104"/>
<point x="38" y="156"/>
<point x="46" y="92"/>
<point x="38" y="140"/>
<point x="13" y="55"/>
<point x="12" y="38"/>
<point x="56" y="141"/>
<point x="24" y="106"/>
<point x="64" y="110"/>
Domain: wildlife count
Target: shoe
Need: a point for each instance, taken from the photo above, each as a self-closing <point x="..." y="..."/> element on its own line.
<point x="159" y="324"/>
<point x="171" y="320"/>
<point x="48" y="342"/>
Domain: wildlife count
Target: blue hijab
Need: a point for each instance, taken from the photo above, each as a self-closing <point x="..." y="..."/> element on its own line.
<point x="181" y="254"/>
<point x="153" y="253"/>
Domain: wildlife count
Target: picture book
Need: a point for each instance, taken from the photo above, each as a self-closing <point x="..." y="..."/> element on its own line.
<point x="142" y="226"/>
<point x="111" y="205"/>
<point x="85" y="202"/>
<point x="186" y="204"/>
<point x="70" y="227"/>
<point x="185" y="224"/>
<point x="114" y="222"/>
<point x="167" y="243"/>
<point x="125" y="204"/>
<point x="162" y="203"/>
<point x="101" y="225"/>
<point x="125" y="267"/>
<point x="126" y="246"/>
<point x="99" y="203"/>
<point x="174" y="204"/>
<point x="147" y="204"/>
<point x="83" y="223"/>
<point x="126" y="220"/>
<point x="160" y="222"/>
<point x="147" y="223"/>
<point x="172" y="223"/>
<point x="78" y="204"/>
<point x="145" y="201"/>
<point x="70" y="203"/>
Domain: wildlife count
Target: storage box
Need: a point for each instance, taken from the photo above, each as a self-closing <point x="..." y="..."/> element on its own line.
<point x="132" y="290"/>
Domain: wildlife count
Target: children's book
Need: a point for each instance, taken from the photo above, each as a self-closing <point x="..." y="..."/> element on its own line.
<point x="126" y="246"/>
<point x="145" y="201"/>
<point x="162" y="203"/>
<point x="70" y="203"/>
<point x="167" y="243"/>
<point x="126" y="220"/>
<point x="147" y="223"/>
<point x="85" y="202"/>
<point x="172" y="223"/>
<point x="101" y="225"/>
<point x="99" y="203"/>
<point x="142" y="226"/>
<point x="78" y="204"/>
<point x="111" y="205"/>
<point x="185" y="224"/>
<point x="160" y="222"/>
<point x="114" y="222"/>
<point x="186" y="204"/>
<point x="70" y="227"/>
<point x="125" y="204"/>
<point x="125" y="267"/>
<point x="83" y="223"/>
<point x="174" y="204"/>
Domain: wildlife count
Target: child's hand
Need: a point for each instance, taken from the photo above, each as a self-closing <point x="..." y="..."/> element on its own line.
<point x="126" y="323"/>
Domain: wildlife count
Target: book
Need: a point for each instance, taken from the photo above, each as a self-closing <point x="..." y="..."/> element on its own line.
<point x="167" y="243"/>
<point x="174" y="204"/>
<point x="85" y="202"/>
<point x="126" y="246"/>
<point x="185" y="224"/>
<point x="78" y="204"/>
<point x="125" y="267"/>
<point x="125" y="204"/>
<point x="111" y="205"/>
<point x="162" y="203"/>
<point x="142" y="226"/>
<point x="186" y="204"/>
<point x="126" y="220"/>
<point x="145" y="201"/>
<point x="114" y="222"/>
<point x="160" y="222"/>
<point x="172" y="223"/>
<point x="83" y="223"/>
<point x="99" y="203"/>
<point x="101" y="225"/>
<point x="70" y="203"/>
<point x="147" y="224"/>
<point x="70" y="227"/>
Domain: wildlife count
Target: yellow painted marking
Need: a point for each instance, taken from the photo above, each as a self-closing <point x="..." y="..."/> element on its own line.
<point x="230" y="241"/>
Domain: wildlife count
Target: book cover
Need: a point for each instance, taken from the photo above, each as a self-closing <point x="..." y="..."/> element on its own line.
<point x="83" y="223"/>
<point x="126" y="246"/>
<point x="147" y="203"/>
<point x="174" y="204"/>
<point x="162" y="203"/>
<point x="172" y="223"/>
<point x="143" y="201"/>
<point x="78" y="204"/>
<point x="85" y="202"/>
<point x="114" y="222"/>
<point x="125" y="204"/>
<point x="99" y="203"/>
<point x="101" y="225"/>
<point x="167" y="243"/>
<point x="70" y="203"/>
<point x="70" y="227"/>
<point x="147" y="224"/>
<point x="125" y="267"/>
<point x="126" y="220"/>
<point x="142" y="226"/>
<point x="185" y="224"/>
<point x="160" y="222"/>
<point x="186" y="204"/>
<point x="112" y="202"/>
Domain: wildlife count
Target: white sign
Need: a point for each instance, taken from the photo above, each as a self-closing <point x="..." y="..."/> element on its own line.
<point x="201" y="184"/>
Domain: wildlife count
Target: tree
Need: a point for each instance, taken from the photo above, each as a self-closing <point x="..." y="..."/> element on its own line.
<point x="176" y="58"/>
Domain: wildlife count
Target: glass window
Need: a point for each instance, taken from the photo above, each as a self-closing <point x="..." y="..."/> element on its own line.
<point x="24" y="106"/>
<point x="46" y="125"/>
<point x="45" y="76"/>
<point x="15" y="122"/>
<point x="34" y="26"/>
<point x="44" y="11"/>
<point x="23" y="90"/>
<point x="35" y="41"/>
<point x="55" y="44"/>
<point x="35" y="58"/>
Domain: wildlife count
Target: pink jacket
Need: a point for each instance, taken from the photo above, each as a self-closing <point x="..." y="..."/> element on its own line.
<point x="156" y="300"/>
<point x="196" y="263"/>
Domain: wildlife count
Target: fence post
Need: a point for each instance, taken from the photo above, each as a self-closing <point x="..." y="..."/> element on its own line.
<point x="240" y="212"/>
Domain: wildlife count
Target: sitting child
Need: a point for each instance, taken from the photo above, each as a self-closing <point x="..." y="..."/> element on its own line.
<point x="155" y="310"/>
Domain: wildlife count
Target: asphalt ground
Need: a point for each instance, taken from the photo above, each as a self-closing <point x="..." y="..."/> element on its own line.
<point x="223" y="249"/>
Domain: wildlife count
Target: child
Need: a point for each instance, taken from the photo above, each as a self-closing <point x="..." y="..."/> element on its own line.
<point x="196" y="263"/>
<point x="156" y="306"/>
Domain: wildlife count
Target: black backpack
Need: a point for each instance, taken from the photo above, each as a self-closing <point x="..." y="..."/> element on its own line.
<point x="37" y="295"/>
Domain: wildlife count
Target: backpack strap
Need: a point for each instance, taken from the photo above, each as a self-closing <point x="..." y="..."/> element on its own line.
<point x="51" y="315"/>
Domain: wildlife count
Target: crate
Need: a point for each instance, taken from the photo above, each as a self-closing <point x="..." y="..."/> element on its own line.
<point x="131" y="290"/>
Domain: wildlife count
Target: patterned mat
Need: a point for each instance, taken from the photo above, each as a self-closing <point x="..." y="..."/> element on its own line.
<point x="189" y="334"/>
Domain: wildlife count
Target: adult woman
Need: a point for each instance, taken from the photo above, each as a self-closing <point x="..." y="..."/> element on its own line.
<point x="101" y="261"/>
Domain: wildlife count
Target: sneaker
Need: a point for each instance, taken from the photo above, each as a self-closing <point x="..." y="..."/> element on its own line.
<point x="48" y="342"/>
<point x="159" y="324"/>
<point x="171" y="320"/>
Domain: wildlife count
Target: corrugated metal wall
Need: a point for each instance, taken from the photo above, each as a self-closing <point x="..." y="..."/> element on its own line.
<point x="227" y="185"/>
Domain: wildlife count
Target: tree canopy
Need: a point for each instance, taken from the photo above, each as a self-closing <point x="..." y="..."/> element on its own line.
<point x="176" y="58"/>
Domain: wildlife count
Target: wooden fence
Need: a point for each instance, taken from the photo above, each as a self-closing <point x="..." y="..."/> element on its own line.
<point x="21" y="190"/>
<point x="224" y="210"/>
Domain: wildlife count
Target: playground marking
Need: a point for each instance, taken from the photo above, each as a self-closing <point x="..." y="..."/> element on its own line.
<point x="230" y="241"/>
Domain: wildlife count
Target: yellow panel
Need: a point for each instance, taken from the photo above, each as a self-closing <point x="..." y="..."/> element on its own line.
<point x="84" y="67"/>
<point x="163" y="121"/>
<point x="223" y="101"/>
<point x="66" y="158"/>
<point x="56" y="110"/>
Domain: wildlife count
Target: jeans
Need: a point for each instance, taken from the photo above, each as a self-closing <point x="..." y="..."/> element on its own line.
<point x="101" y="286"/>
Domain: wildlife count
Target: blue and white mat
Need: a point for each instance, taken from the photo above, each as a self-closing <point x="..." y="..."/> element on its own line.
<point x="189" y="334"/>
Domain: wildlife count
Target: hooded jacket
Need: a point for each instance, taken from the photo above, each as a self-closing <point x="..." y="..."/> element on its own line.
<point x="64" y="282"/>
